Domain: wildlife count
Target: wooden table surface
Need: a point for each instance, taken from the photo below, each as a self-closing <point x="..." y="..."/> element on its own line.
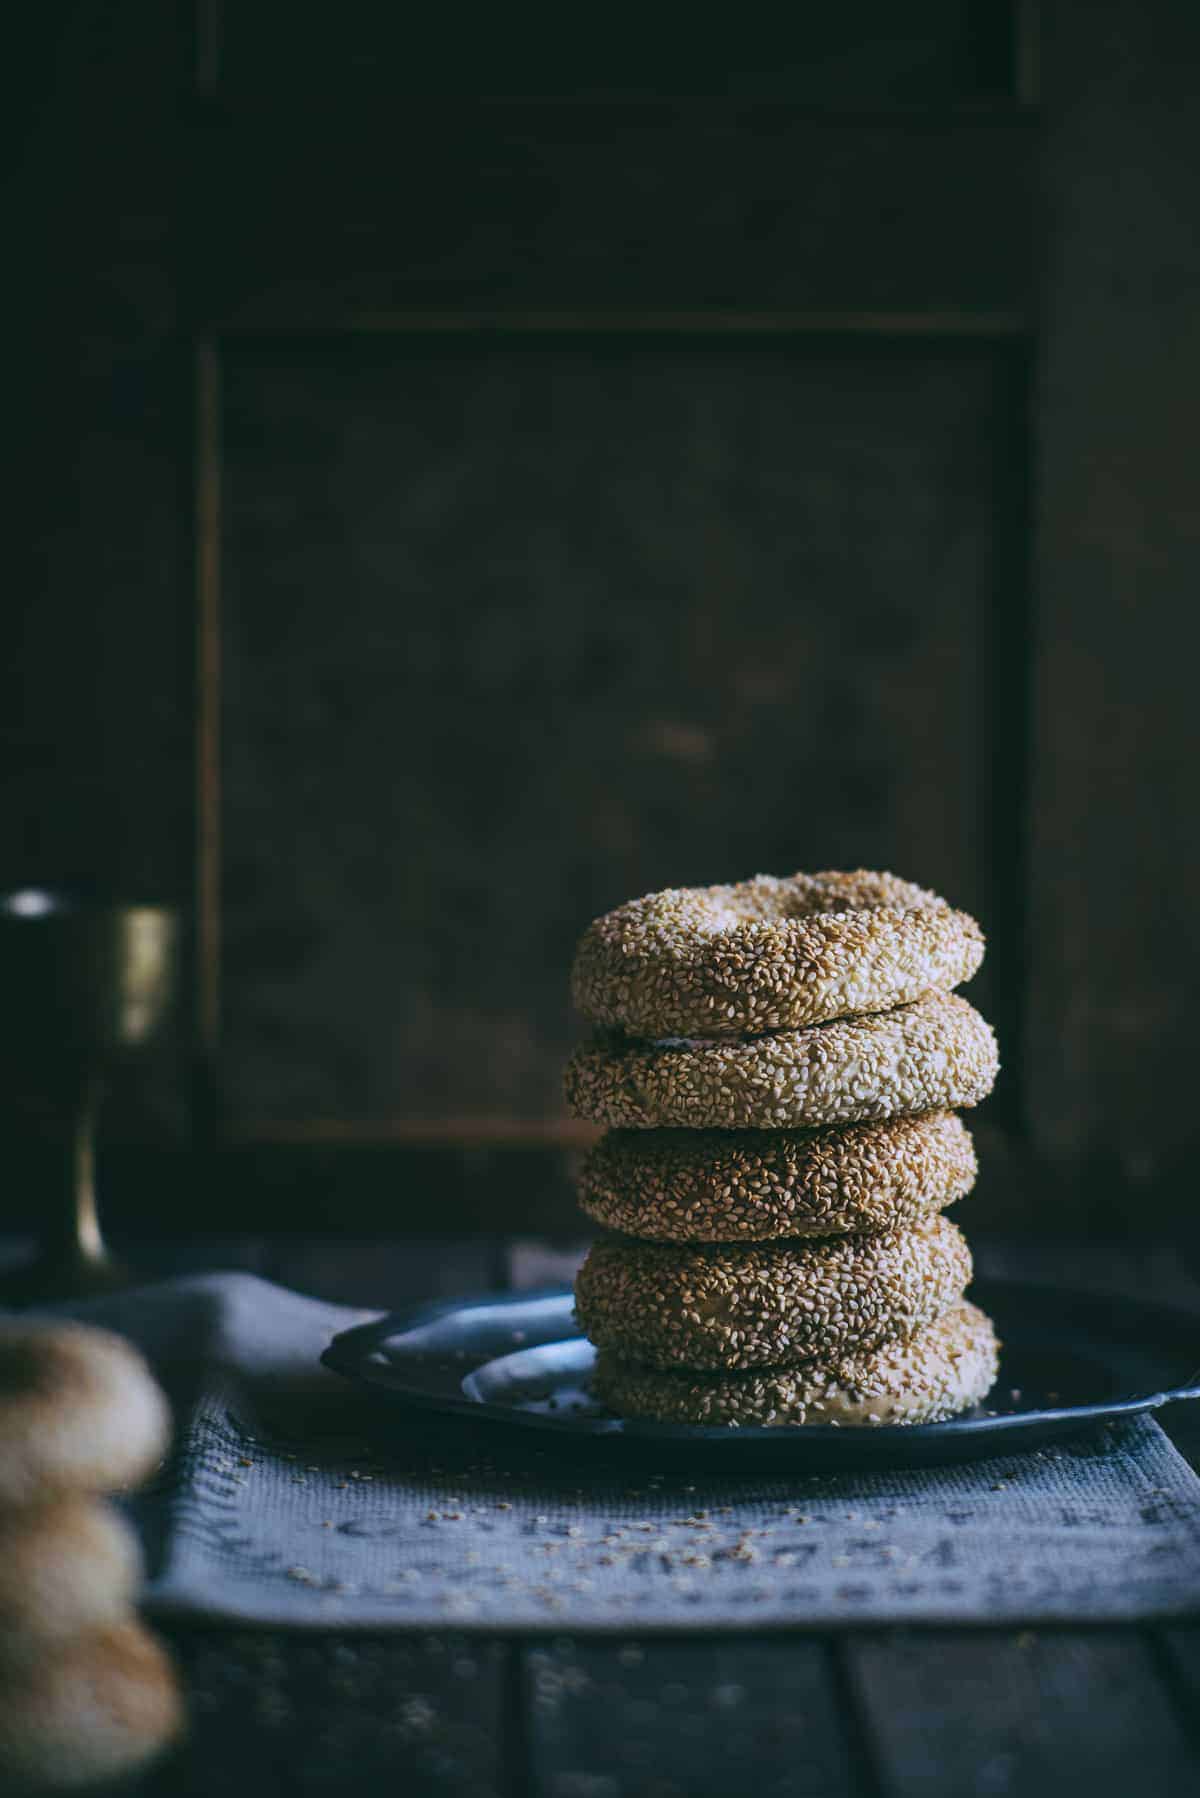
<point x="861" y="1713"/>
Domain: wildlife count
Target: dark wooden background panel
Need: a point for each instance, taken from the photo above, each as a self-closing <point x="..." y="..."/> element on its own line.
<point x="969" y="1714"/>
<point x="878" y="183"/>
<point x="514" y="631"/>
<point x="1115" y="853"/>
<point x="861" y="53"/>
<point x="600" y="1712"/>
<point x="345" y="214"/>
<point x="95" y="677"/>
<point x="95" y="729"/>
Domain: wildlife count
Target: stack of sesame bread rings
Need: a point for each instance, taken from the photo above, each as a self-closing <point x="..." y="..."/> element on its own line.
<point x="779" y="1065"/>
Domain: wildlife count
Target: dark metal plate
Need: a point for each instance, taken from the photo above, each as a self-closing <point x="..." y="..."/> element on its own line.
<point x="517" y="1361"/>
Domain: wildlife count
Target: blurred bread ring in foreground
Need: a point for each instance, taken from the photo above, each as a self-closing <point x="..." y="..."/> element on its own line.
<point x="95" y="1708"/>
<point x="753" y="1185"/>
<point x="774" y="1304"/>
<point x="79" y="1412"/>
<point x="928" y="1056"/>
<point x="65" y="1566"/>
<point x="947" y="1367"/>
<point x="770" y="954"/>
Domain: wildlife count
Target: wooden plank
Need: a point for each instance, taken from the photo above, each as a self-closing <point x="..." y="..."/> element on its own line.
<point x="1114" y="958"/>
<point x="568" y="1134"/>
<point x="159" y="1256"/>
<point x="970" y="1715"/>
<point x="276" y="1715"/>
<point x="206" y="597"/>
<point x="539" y="684"/>
<point x="94" y="692"/>
<point x="151" y="1257"/>
<point x="380" y="1273"/>
<point x="688" y="1719"/>
<point x="93" y="705"/>
<point x="863" y="52"/>
<point x="634" y="206"/>
<point x="1142" y="1266"/>
<point x="1178" y="1647"/>
<point x="668" y="322"/>
<point x="440" y="1188"/>
<point x="430" y="1190"/>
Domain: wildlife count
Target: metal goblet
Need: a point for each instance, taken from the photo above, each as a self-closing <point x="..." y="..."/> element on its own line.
<point x="82" y="983"/>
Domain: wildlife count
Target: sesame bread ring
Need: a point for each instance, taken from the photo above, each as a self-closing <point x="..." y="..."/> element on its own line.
<point x="65" y="1566"/>
<point x="769" y="954"/>
<point x="710" y="1305"/>
<point x="79" y="1412"/>
<point x="927" y="1056"/>
<point x="97" y="1708"/>
<point x="945" y="1368"/>
<point x="752" y="1185"/>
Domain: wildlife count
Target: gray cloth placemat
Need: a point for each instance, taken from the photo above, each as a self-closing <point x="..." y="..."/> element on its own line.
<point x="292" y="1499"/>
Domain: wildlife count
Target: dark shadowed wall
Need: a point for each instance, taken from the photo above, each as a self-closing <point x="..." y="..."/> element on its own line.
<point x="468" y="481"/>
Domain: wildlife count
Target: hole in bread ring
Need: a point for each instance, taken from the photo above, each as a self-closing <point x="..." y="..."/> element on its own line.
<point x="770" y="954"/>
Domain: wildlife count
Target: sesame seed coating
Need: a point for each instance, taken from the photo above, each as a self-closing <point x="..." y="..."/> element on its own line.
<point x="945" y="1368"/>
<point x="926" y="1056"/>
<point x="770" y="954"/>
<point x="717" y="1305"/>
<point x="752" y="1185"/>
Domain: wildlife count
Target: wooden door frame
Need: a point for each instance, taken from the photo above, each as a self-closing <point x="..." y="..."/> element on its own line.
<point x="994" y="144"/>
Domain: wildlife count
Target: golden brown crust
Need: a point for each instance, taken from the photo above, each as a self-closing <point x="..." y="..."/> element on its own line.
<point x="934" y="1054"/>
<point x="97" y="1708"/>
<point x="700" y="1305"/>
<point x="79" y="1412"/>
<point x="65" y="1566"/>
<point x="943" y="1369"/>
<point x="755" y="1185"/>
<point x="770" y="954"/>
